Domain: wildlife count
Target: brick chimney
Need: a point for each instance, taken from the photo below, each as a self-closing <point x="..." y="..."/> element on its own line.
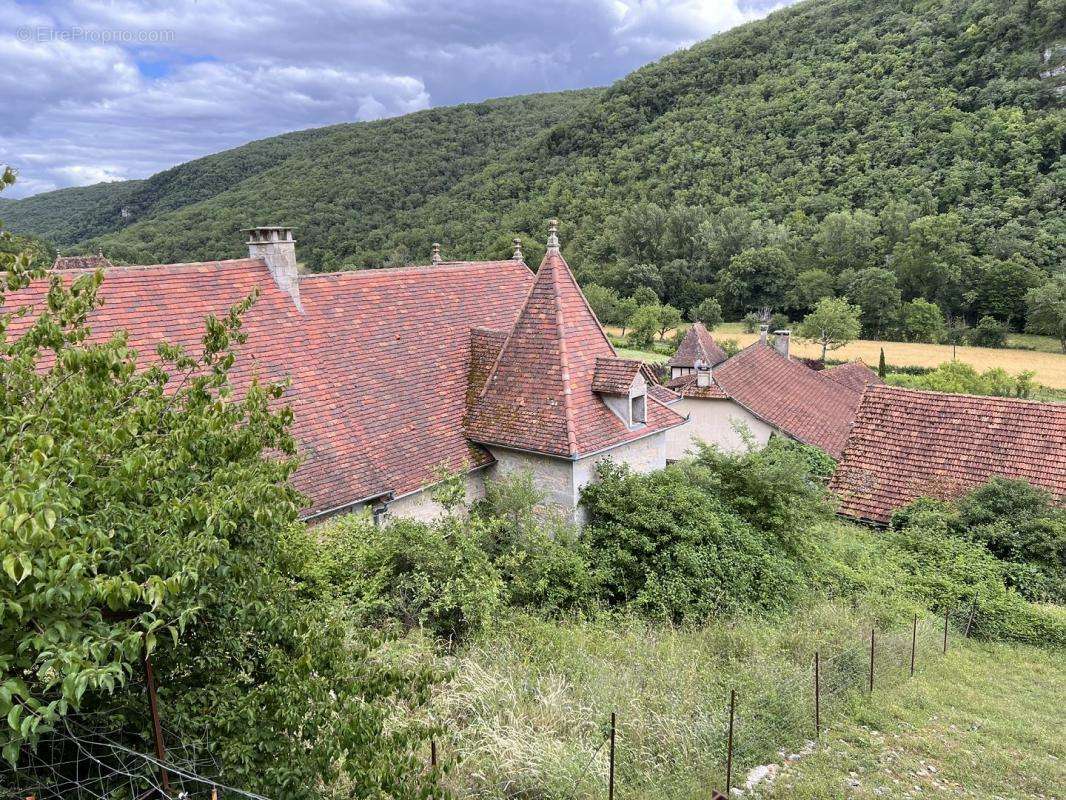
<point x="763" y="329"/>
<point x="275" y="245"/>
<point x="781" y="342"/>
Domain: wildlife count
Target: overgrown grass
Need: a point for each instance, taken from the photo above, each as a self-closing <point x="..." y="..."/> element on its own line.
<point x="987" y="721"/>
<point x="528" y="710"/>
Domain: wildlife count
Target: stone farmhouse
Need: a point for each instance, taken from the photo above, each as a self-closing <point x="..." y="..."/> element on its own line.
<point x="907" y="444"/>
<point x="485" y="368"/>
<point x="758" y="393"/>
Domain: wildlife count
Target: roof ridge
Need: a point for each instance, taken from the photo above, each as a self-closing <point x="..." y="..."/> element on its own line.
<point x="218" y="263"/>
<point x="564" y="361"/>
<point x="419" y="268"/>
<point x="982" y="397"/>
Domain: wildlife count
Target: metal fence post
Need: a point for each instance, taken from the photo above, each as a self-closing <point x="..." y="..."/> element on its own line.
<point x="729" y="745"/>
<point x="914" y="642"/>
<point x="969" y="621"/>
<point x="610" y="774"/>
<point x="433" y="753"/>
<point x="872" y="635"/>
<point x="817" y="699"/>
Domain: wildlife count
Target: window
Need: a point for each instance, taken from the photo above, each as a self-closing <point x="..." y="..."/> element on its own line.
<point x="638" y="409"/>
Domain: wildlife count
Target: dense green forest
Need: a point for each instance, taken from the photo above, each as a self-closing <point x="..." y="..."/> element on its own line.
<point x="885" y="152"/>
<point x="338" y="186"/>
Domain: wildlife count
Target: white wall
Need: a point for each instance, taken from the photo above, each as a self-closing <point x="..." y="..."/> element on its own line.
<point x="421" y="505"/>
<point x="713" y="421"/>
<point x="562" y="479"/>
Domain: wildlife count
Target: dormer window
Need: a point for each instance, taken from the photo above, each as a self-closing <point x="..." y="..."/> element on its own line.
<point x="638" y="409"/>
<point x="623" y="389"/>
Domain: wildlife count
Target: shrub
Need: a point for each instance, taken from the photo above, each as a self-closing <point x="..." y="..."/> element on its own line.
<point x="989" y="332"/>
<point x="413" y="574"/>
<point x="537" y="554"/>
<point x="664" y="544"/>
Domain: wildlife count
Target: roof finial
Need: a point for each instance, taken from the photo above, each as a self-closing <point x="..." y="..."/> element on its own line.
<point x="553" y="235"/>
<point x="435" y="256"/>
<point x="517" y="249"/>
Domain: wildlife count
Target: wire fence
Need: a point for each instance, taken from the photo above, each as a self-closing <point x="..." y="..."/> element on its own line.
<point x="754" y="731"/>
<point x="82" y="759"/>
<point x="759" y="728"/>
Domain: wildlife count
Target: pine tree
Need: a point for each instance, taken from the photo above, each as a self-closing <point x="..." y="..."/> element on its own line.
<point x="881" y="365"/>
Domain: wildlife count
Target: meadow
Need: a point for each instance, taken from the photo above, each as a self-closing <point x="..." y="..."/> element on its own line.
<point x="1041" y="354"/>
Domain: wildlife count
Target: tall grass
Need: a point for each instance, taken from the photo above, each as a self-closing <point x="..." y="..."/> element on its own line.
<point x="528" y="709"/>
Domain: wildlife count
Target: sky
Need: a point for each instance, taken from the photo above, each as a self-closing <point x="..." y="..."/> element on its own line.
<point x="98" y="90"/>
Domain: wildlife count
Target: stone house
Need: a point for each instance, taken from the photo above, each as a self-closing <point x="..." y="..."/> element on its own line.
<point x="477" y="367"/>
<point x="758" y="393"/>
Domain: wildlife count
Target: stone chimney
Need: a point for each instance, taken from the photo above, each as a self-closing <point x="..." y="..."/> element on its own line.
<point x="781" y="342"/>
<point x="763" y="329"/>
<point x="517" y="249"/>
<point x="275" y="245"/>
<point x="703" y="374"/>
<point x="434" y="257"/>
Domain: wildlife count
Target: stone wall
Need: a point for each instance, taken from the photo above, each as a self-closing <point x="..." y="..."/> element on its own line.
<point x="421" y="505"/>
<point x="714" y="422"/>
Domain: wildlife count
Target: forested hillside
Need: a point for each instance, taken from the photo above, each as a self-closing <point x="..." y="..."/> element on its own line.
<point x="882" y="151"/>
<point x="340" y="186"/>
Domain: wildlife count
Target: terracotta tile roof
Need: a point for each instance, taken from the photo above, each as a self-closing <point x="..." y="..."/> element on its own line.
<point x="854" y="374"/>
<point x="790" y="396"/>
<point x="686" y="386"/>
<point x="485" y="347"/>
<point x="697" y="344"/>
<point x="614" y="375"/>
<point x="99" y="261"/>
<point x="907" y="444"/>
<point x="378" y="361"/>
<point x="539" y="395"/>
<point x="656" y="389"/>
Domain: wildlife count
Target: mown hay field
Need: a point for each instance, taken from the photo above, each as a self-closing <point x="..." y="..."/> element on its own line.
<point x="1049" y="367"/>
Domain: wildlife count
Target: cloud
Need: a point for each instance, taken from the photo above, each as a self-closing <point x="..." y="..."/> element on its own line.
<point x="109" y="89"/>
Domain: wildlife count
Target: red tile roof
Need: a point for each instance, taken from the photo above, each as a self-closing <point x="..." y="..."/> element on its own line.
<point x="539" y="395"/>
<point x="790" y="396"/>
<point x="99" y="261"/>
<point x="907" y="444"/>
<point x="615" y="376"/>
<point x="687" y="386"/>
<point x="378" y="361"/>
<point x="697" y="344"/>
<point x="854" y="374"/>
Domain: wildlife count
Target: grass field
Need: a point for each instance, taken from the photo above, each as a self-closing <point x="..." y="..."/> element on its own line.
<point x="1047" y="362"/>
<point x="987" y="721"/>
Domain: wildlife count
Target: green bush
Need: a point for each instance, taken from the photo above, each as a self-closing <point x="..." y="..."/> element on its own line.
<point x="667" y="546"/>
<point x="413" y="574"/>
<point x="989" y="332"/>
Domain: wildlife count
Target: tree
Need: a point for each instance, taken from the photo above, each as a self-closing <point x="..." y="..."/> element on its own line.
<point x="147" y="509"/>
<point x="1000" y="287"/>
<point x="811" y="286"/>
<point x="604" y="303"/>
<point x="645" y="325"/>
<point x="833" y="323"/>
<point x="1046" y="309"/>
<point x="644" y="276"/>
<point x="989" y="332"/>
<point x="930" y="261"/>
<point x="755" y="278"/>
<point x="645" y="296"/>
<point x="922" y="321"/>
<point x="669" y="318"/>
<point x="627" y="307"/>
<point x="875" y="291"/>
<point x="847" y="240"/>
<point x="882" y="370"/>
<point x="709" y="312"/>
